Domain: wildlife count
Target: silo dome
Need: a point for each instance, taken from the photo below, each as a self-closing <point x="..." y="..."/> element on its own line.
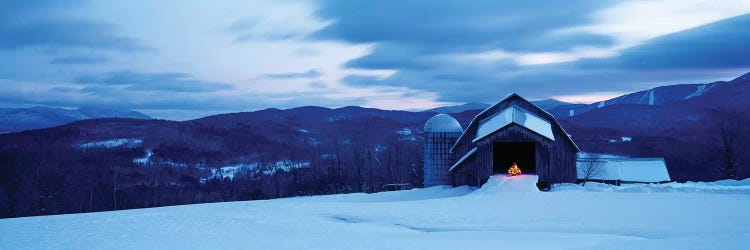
<point x="442" y="123"/>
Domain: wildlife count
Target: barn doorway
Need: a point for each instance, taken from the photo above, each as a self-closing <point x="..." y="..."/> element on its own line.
<point x="504" y="154"/>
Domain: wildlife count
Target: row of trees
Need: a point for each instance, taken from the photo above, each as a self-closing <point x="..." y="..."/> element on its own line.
<point x="728" y="136"/>
<point x="57" y="179"/>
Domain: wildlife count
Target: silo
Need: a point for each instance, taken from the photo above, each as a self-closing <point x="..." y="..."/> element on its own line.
<point x="441" y="131"/>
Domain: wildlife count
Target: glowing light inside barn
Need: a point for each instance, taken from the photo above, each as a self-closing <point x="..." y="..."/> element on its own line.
<point x="514" y="170"/>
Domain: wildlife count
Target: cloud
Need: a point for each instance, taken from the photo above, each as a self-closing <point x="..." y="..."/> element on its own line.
<point x="633" y="22"/>
<point x="459" y="26"/>
<point x="169" y="82"/>
<point x="388" y="55"/>
<point x="188" y="105"/>
<point x="63" y="33"/>
<point x="307" y="74"/>
<point x="431" y="44"/>
<point x="318" y="85"/>
<point x="274" y="21"/>
<point x="385" y="54"/>
<point x="79" y="60"/>
<point x="12" y="6"/>
<point x="722" y="44"/>
<point x="482" y="51"/>
<point x="120" y="96"/>
<point x="26" y="24"/>
<point x="253" y="29"/>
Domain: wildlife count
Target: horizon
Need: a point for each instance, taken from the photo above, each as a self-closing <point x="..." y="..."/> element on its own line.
<point x="181" y="60"/>
<point x="592" y="99"/>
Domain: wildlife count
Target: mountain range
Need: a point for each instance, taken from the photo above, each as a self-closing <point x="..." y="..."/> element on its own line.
<point x="19" y="119"/>
<point x="710" y="94"/>
<point x="130" y="163"/>
<point x="547" y="104"/>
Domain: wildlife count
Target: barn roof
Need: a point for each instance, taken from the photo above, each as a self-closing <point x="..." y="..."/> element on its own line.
<point x="647" y="170"/>
<point x="466" y="156"/>
<point x="549" y="118"/>
<point x="517" y="115"/>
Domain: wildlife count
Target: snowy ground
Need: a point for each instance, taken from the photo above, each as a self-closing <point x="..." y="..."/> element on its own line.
<point x="506" y="213"/>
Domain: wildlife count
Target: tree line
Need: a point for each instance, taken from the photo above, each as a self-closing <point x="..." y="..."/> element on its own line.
<point x="49" y="177"/>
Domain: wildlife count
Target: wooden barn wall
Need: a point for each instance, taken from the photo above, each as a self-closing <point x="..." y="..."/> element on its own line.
<point x="556" y="160"/>
<point x="466" y="175"/>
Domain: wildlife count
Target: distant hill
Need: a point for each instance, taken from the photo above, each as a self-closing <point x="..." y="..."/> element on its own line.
<point x="460" y="108"/>
<point x="314" y="150"/>
<point x="656" y="96"/>
<point x="19" y="119"/>
<point x="681" y="123"/>
<point x="547" y="104"/>
<point x="550" y="104"/>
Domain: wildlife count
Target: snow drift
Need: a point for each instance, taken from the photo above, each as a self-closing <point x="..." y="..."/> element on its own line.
<point x="507" y="212"/>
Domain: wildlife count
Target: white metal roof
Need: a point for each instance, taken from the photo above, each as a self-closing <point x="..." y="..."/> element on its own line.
<point x="442" y="123"/>
<point x="627" y="169"/>
<point x="517" y="115"/>
<point x="471" y="152"/>
<point x="567" y="136"/>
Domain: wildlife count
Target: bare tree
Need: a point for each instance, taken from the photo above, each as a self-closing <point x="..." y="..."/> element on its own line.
<point x="732" y="146"/>
<point x="591" y="168"/>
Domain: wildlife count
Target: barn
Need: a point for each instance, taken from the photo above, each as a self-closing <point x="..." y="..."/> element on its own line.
<point x="512" y="131"/>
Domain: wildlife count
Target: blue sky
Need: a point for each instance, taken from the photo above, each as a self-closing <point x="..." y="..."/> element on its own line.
<point x="185" y="59"/>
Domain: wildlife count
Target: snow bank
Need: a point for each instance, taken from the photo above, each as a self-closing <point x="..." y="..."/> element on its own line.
<point x="505" y="183"/>
<point x="145" y="159"/>
<point x="435" y="192"/>
<point x="404" y="131"/>
<point x="745" y="182"/>
<point x="431" y="218"/>
<point x="127" y="142"/>
<point x="285" y="165"/>
<point x="231" y="170"/>
<point x="720" y="187"/>
<point x="406" y="134"/>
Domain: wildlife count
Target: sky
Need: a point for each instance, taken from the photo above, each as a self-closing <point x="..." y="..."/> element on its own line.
<point x="183" y="59"/>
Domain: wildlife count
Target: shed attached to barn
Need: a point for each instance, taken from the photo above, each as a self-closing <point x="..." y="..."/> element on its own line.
<point x="622" y="170"/>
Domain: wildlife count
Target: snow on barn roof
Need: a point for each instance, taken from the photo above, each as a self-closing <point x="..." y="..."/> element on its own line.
<point x="471" y="152"/>
<point x="508" y="97"/>
<point x="442" y="123"/>
<point x="647" y="170"/>
<point x="517" y="115"/>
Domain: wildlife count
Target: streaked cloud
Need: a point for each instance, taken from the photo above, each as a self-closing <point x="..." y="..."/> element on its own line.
<point x="307" y="74"/>
<point x="175" y="82"/>
<point x="26" y="24"/>
<point x="722" y="44"/>
<point x="79" y="60"/>
<point x="183" y="57"/>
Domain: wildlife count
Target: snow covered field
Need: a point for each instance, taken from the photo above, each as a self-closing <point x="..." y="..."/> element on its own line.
<point x="506" y="213"/>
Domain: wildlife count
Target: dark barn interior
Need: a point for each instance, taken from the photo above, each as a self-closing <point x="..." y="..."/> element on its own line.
<point x="506" y="153"/>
